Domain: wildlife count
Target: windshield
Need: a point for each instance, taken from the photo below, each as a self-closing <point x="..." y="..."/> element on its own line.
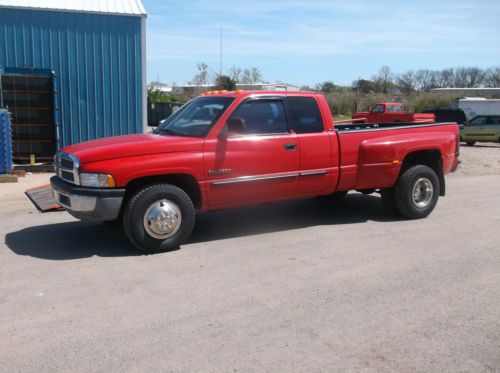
<point x="196" y="117"/>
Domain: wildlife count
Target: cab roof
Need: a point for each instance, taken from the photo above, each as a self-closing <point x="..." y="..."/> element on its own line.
<point x="243" y="93"/>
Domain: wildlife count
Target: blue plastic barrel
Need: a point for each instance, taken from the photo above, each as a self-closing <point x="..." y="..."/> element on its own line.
<point x="5" y="143"/>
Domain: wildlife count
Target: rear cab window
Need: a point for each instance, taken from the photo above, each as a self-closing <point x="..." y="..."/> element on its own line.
<point x="305" y="115"/>
<point x="394" y="108"/>
<point x="495" y="121"/>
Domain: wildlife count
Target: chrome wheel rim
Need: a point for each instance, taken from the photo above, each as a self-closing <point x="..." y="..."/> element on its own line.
<point x="162" y="219"/>
<point x="422" y="192"/>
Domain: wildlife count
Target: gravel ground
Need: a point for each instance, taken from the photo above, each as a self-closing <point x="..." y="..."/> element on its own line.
<point x="480" y="159"/>
<point x="312" y="287"/>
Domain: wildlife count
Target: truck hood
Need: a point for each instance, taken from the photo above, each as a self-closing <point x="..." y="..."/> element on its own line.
<point x="132" y="146"/>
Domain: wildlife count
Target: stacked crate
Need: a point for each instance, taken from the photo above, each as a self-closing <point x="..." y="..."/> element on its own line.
<point x="5" y="148"/>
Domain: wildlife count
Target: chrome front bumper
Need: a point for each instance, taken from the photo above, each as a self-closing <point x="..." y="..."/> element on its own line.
<point x="89" y="204"/>
<point x="75" y="202"/>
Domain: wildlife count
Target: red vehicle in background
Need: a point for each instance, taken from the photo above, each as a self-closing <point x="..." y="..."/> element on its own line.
<point x="229" y="149"/>
<point x="391" y="112"/>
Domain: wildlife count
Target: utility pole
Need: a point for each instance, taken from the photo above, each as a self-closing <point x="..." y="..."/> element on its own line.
<point x="220" y="55"/>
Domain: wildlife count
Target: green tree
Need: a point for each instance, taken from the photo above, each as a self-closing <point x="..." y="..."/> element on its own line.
<point x="327" y="86"/>
<point x="155" y="95"/>
<point x="225" y="82"/>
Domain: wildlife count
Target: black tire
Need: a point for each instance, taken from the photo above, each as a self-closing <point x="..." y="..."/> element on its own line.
<point x="142" y="201"/>
<point x="417" y="179"/>
<point x="470" y="143"/>
<point x="388" y="200"/>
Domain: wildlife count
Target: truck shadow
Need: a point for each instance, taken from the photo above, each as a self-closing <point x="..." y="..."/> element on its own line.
<point x="71" y="240"/>
<point x="231" y="223"/>
<point x="77" y="240"/>
<point x="481" y="145"/>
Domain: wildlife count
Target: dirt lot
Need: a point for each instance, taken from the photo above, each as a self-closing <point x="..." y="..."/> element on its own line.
<point x="299" y="286"/>
<point x="480" y="159"/>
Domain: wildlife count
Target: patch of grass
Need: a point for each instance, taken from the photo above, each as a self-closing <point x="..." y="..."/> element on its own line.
<point x="341" y="117"/>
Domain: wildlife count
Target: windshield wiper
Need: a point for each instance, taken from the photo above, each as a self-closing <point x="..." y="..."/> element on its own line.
<point x="168" y="131"/>
<point x="181" y="134"/>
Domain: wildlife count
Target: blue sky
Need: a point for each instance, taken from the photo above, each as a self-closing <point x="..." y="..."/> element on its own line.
<point x="306" y="42"/>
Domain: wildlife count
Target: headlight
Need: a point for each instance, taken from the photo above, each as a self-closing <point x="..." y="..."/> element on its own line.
<point x="97" y="180"/>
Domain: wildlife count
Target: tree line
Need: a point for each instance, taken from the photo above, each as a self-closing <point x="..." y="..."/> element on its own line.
<point x="385" y="81"/>
<point x="228" y="80"/>
<point x="410" y="87"/>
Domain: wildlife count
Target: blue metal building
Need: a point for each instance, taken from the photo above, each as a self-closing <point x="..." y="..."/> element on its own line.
<point x="71" y="71"/>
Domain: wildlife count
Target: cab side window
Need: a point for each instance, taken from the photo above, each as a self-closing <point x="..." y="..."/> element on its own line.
<point x="261" y="117"/>
<point x="378" y="108"/>
<point x="306" y="117"/>
<point x="478" y="121"/>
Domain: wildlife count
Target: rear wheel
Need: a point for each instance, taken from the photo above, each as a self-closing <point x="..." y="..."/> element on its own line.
<point x="470" y="143"/>
<point x="159" y="218"/>
<point x="416" y="192"/>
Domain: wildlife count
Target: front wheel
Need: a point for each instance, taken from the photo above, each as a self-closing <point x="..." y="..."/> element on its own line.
<point x="159" y="218"/>
<point x="470" y="143"/>
<point x="416" y="192"/>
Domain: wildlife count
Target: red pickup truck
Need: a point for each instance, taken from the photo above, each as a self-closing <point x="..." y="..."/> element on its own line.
<point x="385" y="112"/>
<point x="228" y="149"/>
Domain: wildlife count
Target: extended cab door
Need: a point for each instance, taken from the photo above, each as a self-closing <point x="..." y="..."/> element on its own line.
<point x="492" y="128"/>
<point x="318" y="157"/>
<point x="475" y="130"/>
<point x="376" y="115"/>
<point x="256" y="160"/>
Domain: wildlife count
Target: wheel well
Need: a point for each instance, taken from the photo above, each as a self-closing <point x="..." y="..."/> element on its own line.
<point x="431" y="158"/>
<point x="184" y="181"/>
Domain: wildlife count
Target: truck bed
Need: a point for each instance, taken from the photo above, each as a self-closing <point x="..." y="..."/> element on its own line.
<point x="371" y="154"/>
<point x="356" y="127"/>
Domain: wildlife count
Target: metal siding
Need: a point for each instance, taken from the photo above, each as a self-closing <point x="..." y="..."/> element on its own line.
<point x="97" y="59"/>
<point x="122" y="7"/>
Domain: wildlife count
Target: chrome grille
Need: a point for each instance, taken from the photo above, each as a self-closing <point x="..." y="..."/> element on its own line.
<point x="66" y="167"/>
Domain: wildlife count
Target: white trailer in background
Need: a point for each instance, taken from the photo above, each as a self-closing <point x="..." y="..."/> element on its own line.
<point x="473" y="106"/>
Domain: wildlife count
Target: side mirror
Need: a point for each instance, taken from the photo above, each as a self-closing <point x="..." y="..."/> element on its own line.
<point x="236" y="125"/>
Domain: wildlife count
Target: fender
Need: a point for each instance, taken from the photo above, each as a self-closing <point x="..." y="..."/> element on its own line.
<point x="124" y="170"/>
<point x="380" y="159"/>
